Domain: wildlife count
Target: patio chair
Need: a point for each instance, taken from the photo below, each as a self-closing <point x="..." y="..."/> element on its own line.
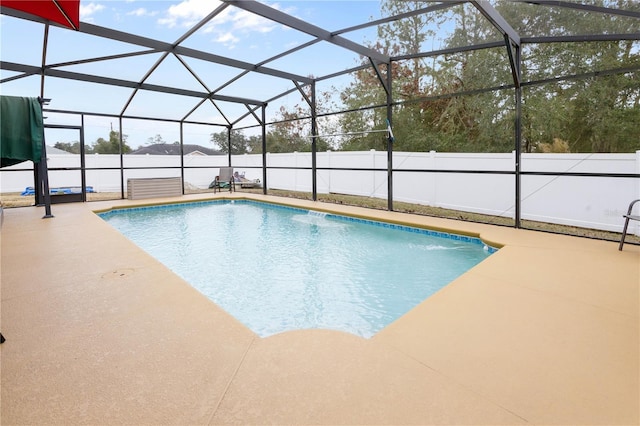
<point x="224" y="180"/>
<point x="628" y="217"/>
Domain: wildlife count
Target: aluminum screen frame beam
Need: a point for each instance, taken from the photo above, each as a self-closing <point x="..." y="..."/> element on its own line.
<point x="581" y="38"/>
<point x="186" y="35"/>
<point x="159" y="46"/>
<point x="185" y="51"/>
<point x="400" y="16"/>
<point x="451" y="50"/>
<point x="587" y="7"/>
<point x="512" y="39"/>
<point x="274" y="15"/>
<point x="33" y="70"/>
<point x="497" y="20"/>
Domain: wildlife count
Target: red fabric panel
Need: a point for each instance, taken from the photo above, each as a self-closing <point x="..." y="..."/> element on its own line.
<point x="47" y="9"/>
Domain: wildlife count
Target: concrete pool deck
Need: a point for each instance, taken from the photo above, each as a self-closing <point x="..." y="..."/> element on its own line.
<point x="545" y="331"/>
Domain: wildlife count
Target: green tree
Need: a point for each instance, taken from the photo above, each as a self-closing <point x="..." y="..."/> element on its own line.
<point x="111" y="146"/>
<point x="474" y="118"/>
<point x="289" y="133"/>
<point x="291" y="130"/>
<point x="157" y="139"/>
<point x="73" y="148"/>
<point x="443" y="105"/>
<point x="366" y="97"/>
<point x="595" y="114"/>
<point x="427" y="116"/>
<point x="360" y="98"/>
<point x="240" y="143"/>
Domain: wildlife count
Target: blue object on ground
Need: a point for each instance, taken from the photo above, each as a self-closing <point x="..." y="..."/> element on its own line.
<point x="30" y="190"/>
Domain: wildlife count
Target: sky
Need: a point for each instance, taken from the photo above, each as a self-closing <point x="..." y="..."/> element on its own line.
<point x="234" y="33"/>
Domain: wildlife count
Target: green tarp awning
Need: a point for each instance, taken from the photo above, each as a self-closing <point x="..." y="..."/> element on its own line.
<point x="21" y="130"/>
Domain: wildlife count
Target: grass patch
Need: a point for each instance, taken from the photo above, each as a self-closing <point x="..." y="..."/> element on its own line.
<point x="418" y="209"/>
<point x="14" y="199"/>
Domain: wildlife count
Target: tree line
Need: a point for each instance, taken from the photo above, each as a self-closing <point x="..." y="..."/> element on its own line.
<point x="574" y="98"/>
<point x="110" y="146"/>
<point x="100" y="146"/>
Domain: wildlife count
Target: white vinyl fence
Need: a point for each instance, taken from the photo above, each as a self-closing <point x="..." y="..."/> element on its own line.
<point x="589" y="202"/>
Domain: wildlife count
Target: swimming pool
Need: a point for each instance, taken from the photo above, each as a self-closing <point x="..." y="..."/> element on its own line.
<point x="277" y="268"/>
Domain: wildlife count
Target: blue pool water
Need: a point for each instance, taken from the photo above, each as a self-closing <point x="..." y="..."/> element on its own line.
<point x="277" y="268"/>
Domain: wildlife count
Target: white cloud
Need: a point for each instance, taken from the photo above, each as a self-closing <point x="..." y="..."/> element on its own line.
<point x="141" y="11"/>
<point x="188" y="12"/>
<point x="248" y="22"/>
<point x="229" y="26"/>
<point x="87" y="10"/>
<point x="226" y="38"/>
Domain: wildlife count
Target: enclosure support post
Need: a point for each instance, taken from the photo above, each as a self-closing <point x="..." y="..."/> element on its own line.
<point x="43" y="183"/>
<point x="182" y="154"/>
<point x="518" y="140"/>
<point x="83" y="161"/>
<point x="264" y="149"/>
<point x="314" y="142"/>
<point x="229" y="146"/>
<point x="311" y="101"/>
<point x="121" y="157"/>
<point x="42" y="173"/>
<point x="389" y="139"/>
<point x="386" y="85"/>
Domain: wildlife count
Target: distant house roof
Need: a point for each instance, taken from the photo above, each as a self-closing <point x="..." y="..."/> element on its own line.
<point x="55" y="151"/>
<point x="196" y="152"/>
<point x="172" y="149"/>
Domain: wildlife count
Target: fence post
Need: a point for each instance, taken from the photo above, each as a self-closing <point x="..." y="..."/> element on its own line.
<point x="372" y="153"/>
<point x="265" y="177"/>
<point x="434" y="179"/>
<point x="517" y="205"/>
<point x="329" y="172"/>
<point x="295" y="172"/>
